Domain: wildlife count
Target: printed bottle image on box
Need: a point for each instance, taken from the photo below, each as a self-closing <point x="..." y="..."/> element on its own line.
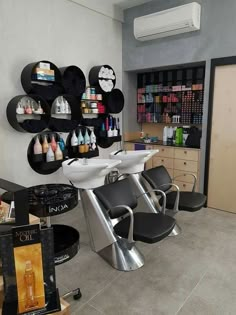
<point x="29" y="268"/>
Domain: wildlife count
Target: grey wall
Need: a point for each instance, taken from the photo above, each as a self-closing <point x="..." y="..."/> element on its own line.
<point x="56" y="30"/>
<point x="215" y="39"/>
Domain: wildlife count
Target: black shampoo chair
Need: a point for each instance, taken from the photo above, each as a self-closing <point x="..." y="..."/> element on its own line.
<point x="159" y="178"/>
<point x="119" y="200"/>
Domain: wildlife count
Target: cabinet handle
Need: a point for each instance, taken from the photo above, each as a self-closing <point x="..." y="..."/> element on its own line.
<point x="185" y="152"/>
<point x="185" y="163"/>
<point x="184" y="185"/>
<point x="163" y="160"/>
<point x="163" y="150"/>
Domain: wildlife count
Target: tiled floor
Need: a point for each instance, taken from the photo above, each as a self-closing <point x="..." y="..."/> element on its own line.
<point x="191" y="274"/>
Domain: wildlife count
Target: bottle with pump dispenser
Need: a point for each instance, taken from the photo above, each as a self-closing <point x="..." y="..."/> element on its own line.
<point x="93" y="140"/>
<point x="81" y="142"/>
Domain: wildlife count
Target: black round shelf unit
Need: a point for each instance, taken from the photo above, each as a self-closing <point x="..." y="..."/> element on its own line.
<point x="47" y="89"/>
<point x="29" y="124"/>
<point x="38" y="161"/>
<point x="73" y="80"/>
<point x="73" y="151"/>
<point x="58" y="123"/>
<point x="114" y="101"/>
<point x="95" y="78"/>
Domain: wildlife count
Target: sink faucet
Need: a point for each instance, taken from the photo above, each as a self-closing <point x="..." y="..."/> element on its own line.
<point x="85" y="161"/>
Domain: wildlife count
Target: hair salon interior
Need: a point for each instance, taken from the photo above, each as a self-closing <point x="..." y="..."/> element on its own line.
<point x="117" y="134"/>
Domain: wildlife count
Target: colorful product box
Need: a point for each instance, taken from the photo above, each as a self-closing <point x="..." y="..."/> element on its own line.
<point x="29" y="268"/>
<point x="45" y="77"/>
<point x="45" y="71"/>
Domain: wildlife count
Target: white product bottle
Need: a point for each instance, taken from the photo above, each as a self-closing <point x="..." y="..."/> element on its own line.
<point x="165" y="134"/>
<point x="57" y="107"/>
<point x="170" y="133"/>
<point x="92" y="137"/>
<point x="110" y="132"/>
<point x="86" y="137"/>
<point x="115" y="132"/>
<point x="80" y="138"/>
<point x="50" y="154"/>
<point x="74" y="140"/>
<point x="62" y="105"/>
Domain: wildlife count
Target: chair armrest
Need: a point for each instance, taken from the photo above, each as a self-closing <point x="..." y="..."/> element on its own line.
<point x="131" y="226"/>
<point x="163" y="195"/>
<point x="176" y="206"/>
<point x="194" y="182"/>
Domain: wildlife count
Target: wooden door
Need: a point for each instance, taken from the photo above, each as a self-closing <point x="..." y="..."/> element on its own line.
<point x="222" y="157"/>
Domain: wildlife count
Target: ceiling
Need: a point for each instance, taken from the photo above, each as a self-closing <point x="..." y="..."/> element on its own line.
<point x="125" y="4"/>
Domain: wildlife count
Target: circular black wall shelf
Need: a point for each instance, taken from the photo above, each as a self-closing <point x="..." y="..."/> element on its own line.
<point x="48" y="89"/>
<point x="73" y="80"/>
<point x="32" y="123"/>
<point x="65" y="122"/>
<point x="38" y="161"/>
<point x="103" y="78"/>
<point x="114" y="101"/>
<point x="73" y="151"/>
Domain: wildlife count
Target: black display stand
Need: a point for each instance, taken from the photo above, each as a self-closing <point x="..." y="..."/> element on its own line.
<point x="38" y="161"/>
<point x="73" y="151"/>
<point x="73" y="80"/>
<point x="28" y="122"/>
<point x="49" y="90"/>
<point x="95" y="78"/>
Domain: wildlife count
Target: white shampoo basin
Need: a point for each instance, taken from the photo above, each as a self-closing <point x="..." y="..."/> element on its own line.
<point x="88" y="174"/>
<point x="132" y="161"/>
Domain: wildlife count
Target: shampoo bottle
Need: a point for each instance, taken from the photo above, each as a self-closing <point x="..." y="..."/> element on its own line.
<point x="53" y="144"/>
<point x="74" y="140"/>
<point x="37" y="146"/>
<point x="50" y="154"/>
<point x="58" y="153"/>
<point x="45" y="145"/>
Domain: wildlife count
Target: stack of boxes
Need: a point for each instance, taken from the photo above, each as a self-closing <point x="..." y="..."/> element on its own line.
<point x="43" y="72"/>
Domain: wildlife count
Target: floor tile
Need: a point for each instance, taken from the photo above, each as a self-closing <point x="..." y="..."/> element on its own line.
<point x="87" y="310"/>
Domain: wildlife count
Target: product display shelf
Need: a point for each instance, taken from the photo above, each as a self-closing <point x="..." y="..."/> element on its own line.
<point x="32" y="123"/>
<point x="65" y="113"/>
<point x="96" y="78"/>
<point x="33" y="220"/>
<point x="38" y="161"/>
<point x="32" y="83"/>
<point x="50" y="200"/>
<point x="163" y="94"/>
<point x="74" y="151"/>
<point x="73" y="80"/>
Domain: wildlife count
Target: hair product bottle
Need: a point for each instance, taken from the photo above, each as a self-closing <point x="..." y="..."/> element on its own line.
<point x="29" y="278"/>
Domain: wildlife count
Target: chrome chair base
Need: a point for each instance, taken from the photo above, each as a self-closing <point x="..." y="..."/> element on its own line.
<point x="176" y="230"/>
<point x="121" y="257"/>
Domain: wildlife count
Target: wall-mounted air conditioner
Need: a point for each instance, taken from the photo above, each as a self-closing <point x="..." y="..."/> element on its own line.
<point x="182" y="19"/>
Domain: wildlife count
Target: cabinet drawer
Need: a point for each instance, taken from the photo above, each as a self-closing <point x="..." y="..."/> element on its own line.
<point x="184" y="176"/>
<point x="183" y="165"/>
<point x="157" y="161"/>
<point x="165" y="151"/>
<point x="186" y="154"/>
<point x="184" y="186"/>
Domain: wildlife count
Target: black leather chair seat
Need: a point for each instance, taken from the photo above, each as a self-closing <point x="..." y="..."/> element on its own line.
<point x="148" y="227"/>
<point x="188" y="200"/>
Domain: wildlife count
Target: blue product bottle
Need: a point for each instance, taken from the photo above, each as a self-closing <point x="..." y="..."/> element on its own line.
<point x="62" y="144"/>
